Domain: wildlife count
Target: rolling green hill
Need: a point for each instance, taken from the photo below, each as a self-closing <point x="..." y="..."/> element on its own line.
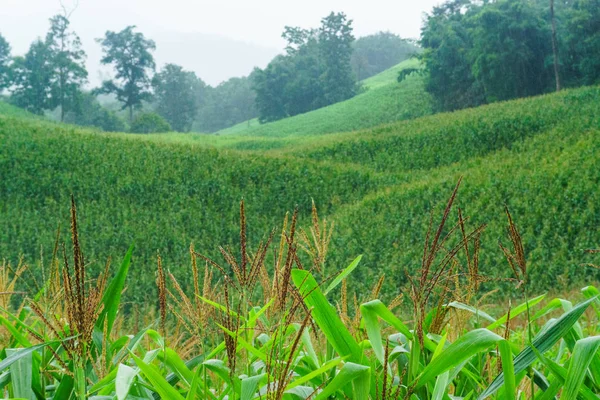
<point x="384" y="100"/>
<point x="539" y="156"/>
<point x="9" y="110"/>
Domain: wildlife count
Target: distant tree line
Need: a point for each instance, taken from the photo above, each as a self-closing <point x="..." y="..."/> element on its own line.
<point x="320" y="67"/>
<point x="481" y="52"/>
<point x="315" y="71"/>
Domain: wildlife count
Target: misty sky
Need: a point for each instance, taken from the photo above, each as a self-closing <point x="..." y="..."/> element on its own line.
<point x="217" y="39"/>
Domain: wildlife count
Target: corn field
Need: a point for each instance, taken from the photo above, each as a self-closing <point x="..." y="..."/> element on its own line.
<point x="260" y="323"/>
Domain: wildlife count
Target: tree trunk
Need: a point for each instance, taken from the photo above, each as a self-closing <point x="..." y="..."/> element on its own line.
<point x="130" y="114"/>
<point x="555" y="47"/>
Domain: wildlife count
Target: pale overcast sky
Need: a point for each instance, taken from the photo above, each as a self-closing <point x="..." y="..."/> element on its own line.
<point x="217" y="39"/>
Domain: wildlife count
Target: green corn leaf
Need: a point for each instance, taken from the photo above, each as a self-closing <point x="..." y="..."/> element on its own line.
<point x="219" y="368"/>
<point x="518" y="310"/>
<point x="172" y="360"/>
<point x="241" y="342"/>
<point x="249" y="386"/>
<point x="541" y="342"/>
<point x="464" y="348"/>
<point x="584" y="352"/>
<point x="112" y="297"/>
<point x="194" y="388"/>
<point x="560" y="373"/>
<point x="159" y="384"/>
<point x="441" y="384"/>
<point x="221" y="308"/>
<point x="351" y="374"/>
<point x="253" y="318"/>
<point x="16" y="335"/>
<point x="461" y="306"/>
<point x="21" y="375"/>
<point x="510" y="385"/>
<point x="342" y="275"/>
<point x="326" y="317"/>
<point x="440" y="347"/>
<point x="313" y="374"/>
<point x="554" y="304"/>
<point x="65" y="387"/>
<point x="124" y="380"/>
<point x="21" y="353"/>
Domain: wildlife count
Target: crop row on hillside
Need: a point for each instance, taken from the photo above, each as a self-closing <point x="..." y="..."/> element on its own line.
<point x="538" y="156"/>
<point x="383" y="101"/>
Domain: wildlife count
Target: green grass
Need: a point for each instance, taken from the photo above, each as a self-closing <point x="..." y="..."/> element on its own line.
<point x="12" y="111"/>
<point x="389" y="76"/>
<point x="384" y="100"/>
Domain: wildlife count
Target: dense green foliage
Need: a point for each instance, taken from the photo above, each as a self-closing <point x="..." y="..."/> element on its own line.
<point x="175" y="96"/>
<point x="68" y="63"/>
<point x="315" y="71"/>
<point x="481" y="52"/>
<point x="382" y="101"/>
<point x="149" y="122"/>
<point x="32" y="79"/>
<point x="130" y="54"/>
<point x="285" y="336"/>
<point x="373" y="54"/>
<point x="89" y="112"/>
<point x="225" y="105"/>
<point x="536" y="155"/>
<point x="52" y="72"/>
<point x="4" y="63"/>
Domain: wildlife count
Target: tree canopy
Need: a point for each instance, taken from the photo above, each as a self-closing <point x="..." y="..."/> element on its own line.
<point x="4" y="63"/>
<point x="175" y="96"/>
<point x="32" y="78"/>
<point x="130" y="53"/>
<point x="481" y="52"/>
<point x="67" y="63"/>
<point x="315" y="71"/>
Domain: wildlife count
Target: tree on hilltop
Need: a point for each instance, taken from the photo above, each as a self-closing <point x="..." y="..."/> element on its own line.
<point x="130" y="53"/>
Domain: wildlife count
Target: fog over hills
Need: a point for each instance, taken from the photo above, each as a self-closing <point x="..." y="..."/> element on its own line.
<point x="214" y="58"/>
<point x="216" y="39"/>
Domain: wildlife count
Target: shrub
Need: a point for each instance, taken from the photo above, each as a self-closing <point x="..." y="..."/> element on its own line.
<point x="150" y="123"/>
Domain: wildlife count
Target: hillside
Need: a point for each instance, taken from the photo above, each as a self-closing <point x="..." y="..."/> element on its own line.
<point x="8" y="110"/>
<point x="384" y="100"/>
<point x="537" y="155"/>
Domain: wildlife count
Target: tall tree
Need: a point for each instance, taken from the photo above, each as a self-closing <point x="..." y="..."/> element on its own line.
<point x="581" y="41"/>
<point x="175" y="95"/>
<point x="335" y="43"/>
<point x="510" y="50"/>
<point x="32" y="79"/>
<point x="130" y="53"/>
<point x="271" y="87"/>
<point x="4" y="63"/>
<point x="447" y="44"/>
<point x="68" y="64"/>
<point x="315" y="71"/>
<point x="555" y="47"/>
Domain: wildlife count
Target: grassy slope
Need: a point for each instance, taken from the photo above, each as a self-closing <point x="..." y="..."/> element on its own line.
<point x="537" y="155"/>
<point x="384" y="101"/>
<point x="12" y="111"/>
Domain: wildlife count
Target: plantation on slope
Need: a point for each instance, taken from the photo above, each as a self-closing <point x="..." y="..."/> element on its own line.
<point x="384" y="100"/>
<point x="538" y="156"/>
